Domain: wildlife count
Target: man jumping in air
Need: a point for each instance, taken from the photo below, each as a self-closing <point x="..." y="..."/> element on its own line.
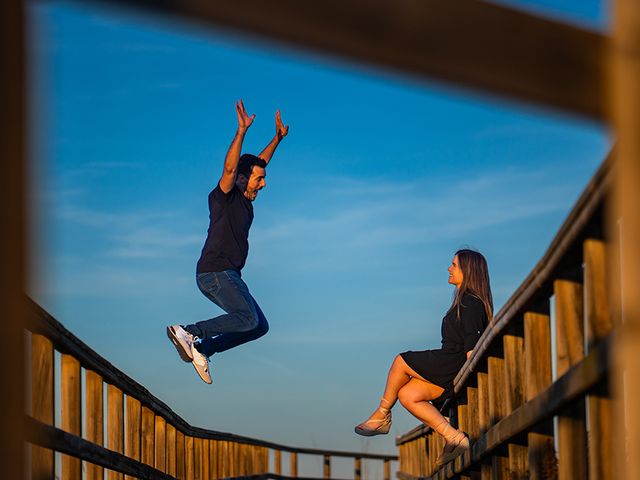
<point x="224" y="254"/>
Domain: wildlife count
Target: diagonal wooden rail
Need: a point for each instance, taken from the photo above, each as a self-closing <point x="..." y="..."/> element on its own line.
<point x="145" y="438"/>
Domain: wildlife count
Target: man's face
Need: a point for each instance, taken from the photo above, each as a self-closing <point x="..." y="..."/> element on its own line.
<point x="255" y="183"/>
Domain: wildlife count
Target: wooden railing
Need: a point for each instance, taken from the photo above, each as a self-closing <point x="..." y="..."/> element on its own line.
<point x="507" y="396"/>
<point x="144" y="437"/>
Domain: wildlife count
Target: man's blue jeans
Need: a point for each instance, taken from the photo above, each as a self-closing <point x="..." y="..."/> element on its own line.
<point x="243" y="322"/>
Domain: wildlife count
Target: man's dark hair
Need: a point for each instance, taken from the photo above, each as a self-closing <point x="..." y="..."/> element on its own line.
<point x="247" y="162"/>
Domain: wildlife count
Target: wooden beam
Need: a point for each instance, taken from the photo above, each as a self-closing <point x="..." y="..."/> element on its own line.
<point x="626" y="108"/>
<point x="470" y="43"/>
<point x="13" y="226"/>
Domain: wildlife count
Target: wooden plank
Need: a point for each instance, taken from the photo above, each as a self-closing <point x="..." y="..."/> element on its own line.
<point x="277" y="462"/>
<point x="42" y="398"/>
<point x="147" y="451"/>
<point x="496" y="387"/>
<point x="160" y="445"/>
<point x="513" y="346"/>
<point x="197" y="458"/>
<point x="537" y="377"/>
<point x="293" y="468"/>
<point x="327" y="466"/>
<point x="170" y="455"/>
<point x="484" y="415"/>
<point x="57" y="439"/>
<point x="94" y="418"/>
<point x="71" y="416"/>
<point x="473" y="424"/>
<point x="495" y="49"/>
<point x="518" y="468"/>
<point x="571" y="428"/>
<point x="357" y="468"/>
<point x="213" y="459"/>
<point x="180" y="456"/>
<point x="598" y="324"/>
<point x="569" y="324"/>
<point x="625" y="95"/>
<point x="190" y="473"/>
<point x="15" y="195"/>
<point x="115" y="425"/>
<point x="133" y="429"/>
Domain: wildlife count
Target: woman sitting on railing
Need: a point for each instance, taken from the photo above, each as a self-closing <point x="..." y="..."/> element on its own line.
<point x="421" y="379"/>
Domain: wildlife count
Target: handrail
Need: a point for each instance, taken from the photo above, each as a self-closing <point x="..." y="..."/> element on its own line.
<point x="590" y="200"/>
<point x="65" y="342"/>
<point x="504" y="395"/>
<point x="169" y="444"/>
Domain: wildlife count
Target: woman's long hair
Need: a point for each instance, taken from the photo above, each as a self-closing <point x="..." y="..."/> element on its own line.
<point x="475" y="280"/>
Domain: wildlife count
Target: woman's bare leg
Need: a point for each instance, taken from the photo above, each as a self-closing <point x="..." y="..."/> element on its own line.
<point x="415" y="396"/>
<point x="399" y="375"/>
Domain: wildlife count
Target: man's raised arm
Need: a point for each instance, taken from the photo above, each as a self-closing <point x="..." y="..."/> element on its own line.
<point x="230" y="170"/>
<point x="281" y="132"/>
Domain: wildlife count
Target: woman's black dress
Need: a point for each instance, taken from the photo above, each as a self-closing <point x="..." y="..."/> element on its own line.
<point x="458" y="337"/>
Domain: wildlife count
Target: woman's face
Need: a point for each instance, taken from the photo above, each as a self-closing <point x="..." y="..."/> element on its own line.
<point x="455" y="273"/>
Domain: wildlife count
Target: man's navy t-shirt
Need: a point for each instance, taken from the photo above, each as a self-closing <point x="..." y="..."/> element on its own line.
<point x="227" y="244"/>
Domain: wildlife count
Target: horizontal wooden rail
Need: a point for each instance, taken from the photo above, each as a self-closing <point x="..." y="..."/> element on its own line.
<point x="495" y="49"/>
<point x="56" y="439"/>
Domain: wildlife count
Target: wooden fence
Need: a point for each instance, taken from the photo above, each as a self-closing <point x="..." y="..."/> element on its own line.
<point x="144" y="437"/>
<point x="524" y="419"/>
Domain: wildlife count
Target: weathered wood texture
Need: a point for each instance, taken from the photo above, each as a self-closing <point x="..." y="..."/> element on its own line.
<point x="571" y="427"/>
<point x="537" y="377"/>
<point x="115" y="425"/>
<point x="42" y="398"/>
<point x="71" y="415"/>
<point x="598" y="325"/>
<point x="625" y="73"/>
<point x="147" y="437"/>
<point x="94" y="418"/>
<point x="133" y="429"/>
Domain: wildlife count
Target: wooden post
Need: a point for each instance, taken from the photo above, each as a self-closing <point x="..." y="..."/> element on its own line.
<point x="188" y="458"/>
<point x="497" y="389"/>
<point x="572" y="432"/>
<point x="148" y="436"/>
<point x="483" y="402"/>
<point x="537" y="377"/>
<point x="387" y="470"/>
<point x="357" y="466"/>
<point x="160" y="445"/>
<point x="197" y="458"/>
<point x="277" y="462"/>
<point x="180" y="456"/>
<point x="294" y="464"/>
<point x="14" y="224"/>
<point x="473" y="413"/>
<point x="213" y="459"/>
<point x="225" y="459"/>
<point x="327" y="466"/>
<point x="115" y="424"/>
<point x="71" y="413"/>
<point x="94" y="418"/>
<point x="133" y="424"/>
<point x="42" y="464"/>
<point x="598" y="325"/>
<point x="625" y="95"/>
<point x="513" y="346"/>
<point x="170" y="455"/>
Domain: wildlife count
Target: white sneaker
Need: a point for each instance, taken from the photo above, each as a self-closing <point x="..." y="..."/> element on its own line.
<point x="182" y="340"/>
<point x="201" y="364"/>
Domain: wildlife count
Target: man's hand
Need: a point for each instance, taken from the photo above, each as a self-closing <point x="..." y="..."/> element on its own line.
<point x="281" y="129"/>
<point x="244" y="120"/>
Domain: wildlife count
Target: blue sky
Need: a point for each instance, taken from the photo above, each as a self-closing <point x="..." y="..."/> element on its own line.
<point x="380" y="180"/>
